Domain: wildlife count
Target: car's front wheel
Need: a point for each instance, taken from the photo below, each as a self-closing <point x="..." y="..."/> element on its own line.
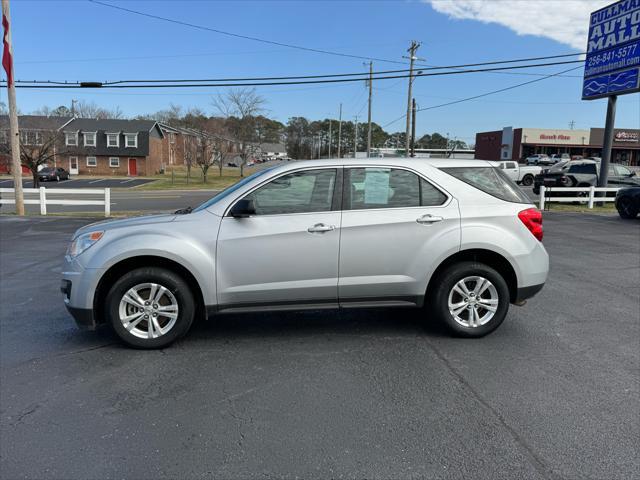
<point x="470" y="298"/>
<point x="150" y="307"/>
<point x="626" y="209"/>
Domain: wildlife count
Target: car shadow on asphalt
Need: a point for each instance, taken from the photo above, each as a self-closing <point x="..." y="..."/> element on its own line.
<point x="387" y="321"/>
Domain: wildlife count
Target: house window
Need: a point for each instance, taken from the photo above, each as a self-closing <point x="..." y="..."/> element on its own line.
<point x="89" y="139"/>
<point x="114" y="162"/>
<point x="71" y="138"/>
<point x="113" y="139"/>
<point x="92" y="162"/>
<point x="131" y="140"/>
<point x="29" y="137"/>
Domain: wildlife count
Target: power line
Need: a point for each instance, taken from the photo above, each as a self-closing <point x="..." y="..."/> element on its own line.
<point x="251" y="82"/>
<point x="237" y="35"/>
<point x="483" y="94"/>
<point x="299" y="47"/>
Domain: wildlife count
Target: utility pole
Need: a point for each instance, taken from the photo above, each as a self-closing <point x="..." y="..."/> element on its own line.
<point x="355" y="138"/>
<point x="413" y="127"/>
<point x="369" y="114"/>
<point x="340" y="131"/>
<point x="572" y="124"/>
<point x="412" y="57"/>
<point x="7" y="61"/>
<point x="329" y="154"/>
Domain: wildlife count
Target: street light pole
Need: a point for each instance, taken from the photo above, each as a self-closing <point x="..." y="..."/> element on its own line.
<point x="7" y="61"/>
<point x="340" y="131"/>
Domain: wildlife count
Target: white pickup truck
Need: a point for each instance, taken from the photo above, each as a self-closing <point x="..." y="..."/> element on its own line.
<point x="520" y="174"/>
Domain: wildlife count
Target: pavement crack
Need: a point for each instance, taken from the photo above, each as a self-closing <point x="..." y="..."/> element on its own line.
<point x="535" y="460"/>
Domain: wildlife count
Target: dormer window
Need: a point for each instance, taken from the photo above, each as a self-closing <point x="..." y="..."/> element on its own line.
<point x="89" y="139"/>
<point x="131" y="140"/>
<point x="113" y="139"/>
<point x="71" y="139"/>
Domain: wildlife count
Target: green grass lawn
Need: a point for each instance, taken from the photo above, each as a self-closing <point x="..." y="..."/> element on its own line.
<point x="176" y="179"/>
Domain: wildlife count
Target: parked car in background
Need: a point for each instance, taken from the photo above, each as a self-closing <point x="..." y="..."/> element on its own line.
<point x="628" y="202"/>
<point x="456" y="237"/>
<point x="519" y="173"/>
<point x="584" y="173"/>
<point x="535" y="159"/>
<point x="50" y="174"/>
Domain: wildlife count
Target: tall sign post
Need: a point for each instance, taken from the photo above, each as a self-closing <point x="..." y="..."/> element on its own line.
<point x="14" y="141"/>
<point x="612" y="65"/>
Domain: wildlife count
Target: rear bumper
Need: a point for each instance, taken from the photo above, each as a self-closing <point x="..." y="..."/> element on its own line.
<point x="527" y="292"/>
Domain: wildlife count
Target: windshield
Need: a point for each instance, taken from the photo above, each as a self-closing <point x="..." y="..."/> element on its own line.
<point x="558" y="167"/>
<point x="229" y="190"/>
<point x="46" y="170"/>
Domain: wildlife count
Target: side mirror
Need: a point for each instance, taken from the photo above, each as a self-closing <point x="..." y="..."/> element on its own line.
<point x="243" y="208"/>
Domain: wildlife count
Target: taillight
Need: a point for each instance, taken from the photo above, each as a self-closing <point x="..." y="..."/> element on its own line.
<point x="532" y="219"/>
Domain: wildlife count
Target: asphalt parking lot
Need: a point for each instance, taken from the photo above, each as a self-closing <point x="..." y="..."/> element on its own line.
<point x="84" y="182"/>
<point x="554" y="393"/>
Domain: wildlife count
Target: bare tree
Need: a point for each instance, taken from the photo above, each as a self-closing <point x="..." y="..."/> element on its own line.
<point x="84" y="109"/>
<point x="240" y="108"/>
<point x="42" y="150"/>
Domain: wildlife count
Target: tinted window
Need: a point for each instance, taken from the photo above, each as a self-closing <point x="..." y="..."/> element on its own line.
<point x="298" y="192"/>
<point x="430" y="195"/>
<point x="490" y="180"/>
<point x="583" y="168"/>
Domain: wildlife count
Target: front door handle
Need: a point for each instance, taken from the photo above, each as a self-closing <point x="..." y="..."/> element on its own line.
<point x="321" y="228"/>
<point x="428" y="219"/>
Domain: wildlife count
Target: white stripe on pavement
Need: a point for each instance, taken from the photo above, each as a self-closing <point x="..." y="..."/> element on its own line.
<point x="99" y="180"/>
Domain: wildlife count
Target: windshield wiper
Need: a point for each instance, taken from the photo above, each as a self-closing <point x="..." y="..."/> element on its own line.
<point x="183" y="211"/>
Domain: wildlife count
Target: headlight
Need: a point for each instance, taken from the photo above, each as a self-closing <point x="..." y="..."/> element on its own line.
<point x="82" y="242"/>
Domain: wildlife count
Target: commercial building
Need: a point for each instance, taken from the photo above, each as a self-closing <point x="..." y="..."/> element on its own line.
<point x="519" y="143"/>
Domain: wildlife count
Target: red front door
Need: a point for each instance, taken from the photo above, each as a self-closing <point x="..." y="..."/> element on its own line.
<point x="133" y="167"/>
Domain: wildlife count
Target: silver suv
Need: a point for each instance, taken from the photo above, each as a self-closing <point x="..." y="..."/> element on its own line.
<point x="457" y="237"/>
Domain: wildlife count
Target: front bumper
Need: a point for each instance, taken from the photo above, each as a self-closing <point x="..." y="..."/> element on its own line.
<point x="527" y="292"/>
<point x="78" y="286"/>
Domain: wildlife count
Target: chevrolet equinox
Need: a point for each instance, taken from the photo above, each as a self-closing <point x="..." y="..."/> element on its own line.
<point x="455" y="237"/>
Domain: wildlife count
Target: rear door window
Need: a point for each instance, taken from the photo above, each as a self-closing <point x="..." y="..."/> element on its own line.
<point x="490" y="180"/>
<point x="389" y="188"/>
<point x="583" y="168"/>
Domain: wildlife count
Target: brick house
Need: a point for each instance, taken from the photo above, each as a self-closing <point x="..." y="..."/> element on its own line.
<point x="112" y="147"/>
<point x="34" y="129"/>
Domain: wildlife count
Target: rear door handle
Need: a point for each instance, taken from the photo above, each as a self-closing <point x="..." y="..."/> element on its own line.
<point x="321" y="228"/>
<point x="428" y="219"/>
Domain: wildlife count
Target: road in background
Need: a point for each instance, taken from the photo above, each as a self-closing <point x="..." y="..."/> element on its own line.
<point x="84" y="182"/>
<point x="553" y="393"/>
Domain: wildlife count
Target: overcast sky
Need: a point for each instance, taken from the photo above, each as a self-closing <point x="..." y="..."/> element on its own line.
<point x="79" y="40"/>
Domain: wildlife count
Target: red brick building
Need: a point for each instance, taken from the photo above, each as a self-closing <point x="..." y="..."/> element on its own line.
<point x="519" y="143"/>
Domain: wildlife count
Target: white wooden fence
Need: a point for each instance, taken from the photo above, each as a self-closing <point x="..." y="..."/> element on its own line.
<point x="583" y="194"/>
<point x="43" y="201"/>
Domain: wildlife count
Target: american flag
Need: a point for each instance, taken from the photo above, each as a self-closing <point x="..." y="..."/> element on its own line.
<point x="7" y="61"/>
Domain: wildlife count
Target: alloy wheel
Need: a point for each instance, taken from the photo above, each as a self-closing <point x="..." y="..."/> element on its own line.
<point x="148" y="310"/>
<point x="473" y="301"/>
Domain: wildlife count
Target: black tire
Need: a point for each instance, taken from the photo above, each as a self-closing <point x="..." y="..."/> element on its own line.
<point x="527" y="180"/>
<point x="174" y="284"/>
<point x="625" y="208"/>
<point x="438" y="298"/>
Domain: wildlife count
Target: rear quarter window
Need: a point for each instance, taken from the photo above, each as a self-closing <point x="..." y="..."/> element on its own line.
<point x="489" y="180"/>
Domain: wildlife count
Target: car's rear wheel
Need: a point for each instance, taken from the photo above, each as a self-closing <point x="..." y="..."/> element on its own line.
<point x="150" y="307"/>
<point x="527" y="180"/>
<point x="470" y="298"/>
<point x="626" y="209"/>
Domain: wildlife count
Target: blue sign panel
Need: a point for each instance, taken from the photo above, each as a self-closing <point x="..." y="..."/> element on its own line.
<point x="612" y="66"/>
